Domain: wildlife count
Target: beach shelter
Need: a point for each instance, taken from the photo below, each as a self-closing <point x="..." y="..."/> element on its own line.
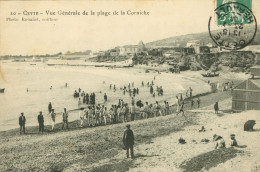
<point x="246" y="95"/>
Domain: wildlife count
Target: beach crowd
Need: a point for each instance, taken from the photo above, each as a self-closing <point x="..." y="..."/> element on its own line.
<point x="92" y="114"/>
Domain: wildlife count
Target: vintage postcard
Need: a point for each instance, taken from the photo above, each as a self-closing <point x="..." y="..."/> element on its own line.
<point x="169" y="85"/>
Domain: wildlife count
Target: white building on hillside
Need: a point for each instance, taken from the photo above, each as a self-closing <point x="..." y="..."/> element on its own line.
<point x="132" y="49"/>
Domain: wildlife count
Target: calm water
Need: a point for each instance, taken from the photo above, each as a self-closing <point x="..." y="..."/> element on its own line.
<point x="38" y="79"/>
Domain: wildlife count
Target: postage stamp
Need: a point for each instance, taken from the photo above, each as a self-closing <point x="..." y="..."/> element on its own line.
<point x="233" y="25"/>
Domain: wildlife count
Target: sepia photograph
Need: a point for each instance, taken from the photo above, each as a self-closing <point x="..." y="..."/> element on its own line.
<point x="136" y="85"/>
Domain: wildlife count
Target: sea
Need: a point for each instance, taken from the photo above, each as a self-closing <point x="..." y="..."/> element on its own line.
<point x="38" y="78"/>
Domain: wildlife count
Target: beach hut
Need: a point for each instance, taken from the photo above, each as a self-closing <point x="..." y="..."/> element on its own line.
<point x="246" y="95"/>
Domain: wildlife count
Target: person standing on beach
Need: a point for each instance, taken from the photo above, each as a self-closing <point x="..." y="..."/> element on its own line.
<point x="94" y="98"/>
<point x="190" y="92"/>
<point x="133" y="101"/>
<point x="79" y="103"/>
<point x="158" y="111"/>
<point x="90" y="116"/>
<point x="97" y="115"/>
<point x="127" y="110"/>
<point x="122" y="114"/>
<point x="105" y="97"/>
<point x="81" y="116"/>
<point x="198" y="102"/>
<point x="187" y="93"/>
<point x="111" y="115"/>
<point x="128" y="141"/>
<point x="181" y="108"/>
<point x="22" y="121"/>
<point x="151" y="89"/>
<point x="181" y="99"/>
<point x="167" y="108"/>
<point x="105" y="115"/>
<point x="191" y="103"/>
<point x="53" y="116"/>
<point x="65" y="119"/>
<point x="87" y="98"/>
<point x="130" y="92"/>
<point x="163" y="108"/>
<point x="177" y="101"/>
<point x="216" y="108"/>
<point x="41" y="122"/>
<point x="146" y="111"/>
<point x="50" y="107"/>
<point x="132" y="112"/>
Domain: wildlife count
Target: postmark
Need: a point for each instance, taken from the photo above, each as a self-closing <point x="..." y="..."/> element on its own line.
<point x="233" y="27"/>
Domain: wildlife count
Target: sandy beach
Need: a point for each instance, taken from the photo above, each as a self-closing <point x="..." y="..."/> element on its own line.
<point x="101" y="148"/>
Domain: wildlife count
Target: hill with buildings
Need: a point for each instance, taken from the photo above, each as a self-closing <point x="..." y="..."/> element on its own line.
<point x="201" y="38"/>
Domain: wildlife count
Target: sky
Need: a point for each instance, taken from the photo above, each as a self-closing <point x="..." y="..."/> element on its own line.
<point x="84" y="32"/>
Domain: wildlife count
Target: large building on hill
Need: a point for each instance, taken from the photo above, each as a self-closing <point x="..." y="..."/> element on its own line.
<point x="132" y="49"/>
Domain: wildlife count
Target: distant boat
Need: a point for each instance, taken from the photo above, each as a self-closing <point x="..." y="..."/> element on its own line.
<point x="210" y="74"/>
<point x="2" y="90"/>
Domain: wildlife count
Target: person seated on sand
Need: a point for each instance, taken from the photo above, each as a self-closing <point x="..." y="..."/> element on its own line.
<point x="233" y="141"/>
<point x="202" y="129"/>
<point x="220" y="142"/>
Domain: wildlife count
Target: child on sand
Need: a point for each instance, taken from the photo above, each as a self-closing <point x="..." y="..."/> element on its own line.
<point x="233" y="141"/>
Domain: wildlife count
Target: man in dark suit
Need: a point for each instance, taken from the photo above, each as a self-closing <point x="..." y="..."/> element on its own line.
<point x="50" y="107"/>
<point x="22" y="123"/>
<point x="41" y="122"/>
<point x="128" y="140"/>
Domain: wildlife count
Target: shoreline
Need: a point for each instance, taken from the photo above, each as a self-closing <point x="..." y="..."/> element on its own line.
<point x="76" y="123"/>
<point x="86" y="148"/>
<point x="62" y="97"/>
<point x="199" y="85"/>
<point x="88" y="144"/>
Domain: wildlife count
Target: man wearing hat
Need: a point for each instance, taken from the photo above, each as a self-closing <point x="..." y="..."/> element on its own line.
<point x="233" y="141"/>
<point x="22" y="123"/>
<point x="41" y="122"/>
<point x="128" y="140"/>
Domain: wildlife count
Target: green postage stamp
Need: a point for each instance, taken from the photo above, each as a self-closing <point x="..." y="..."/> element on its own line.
<point x="233" y="25"/>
